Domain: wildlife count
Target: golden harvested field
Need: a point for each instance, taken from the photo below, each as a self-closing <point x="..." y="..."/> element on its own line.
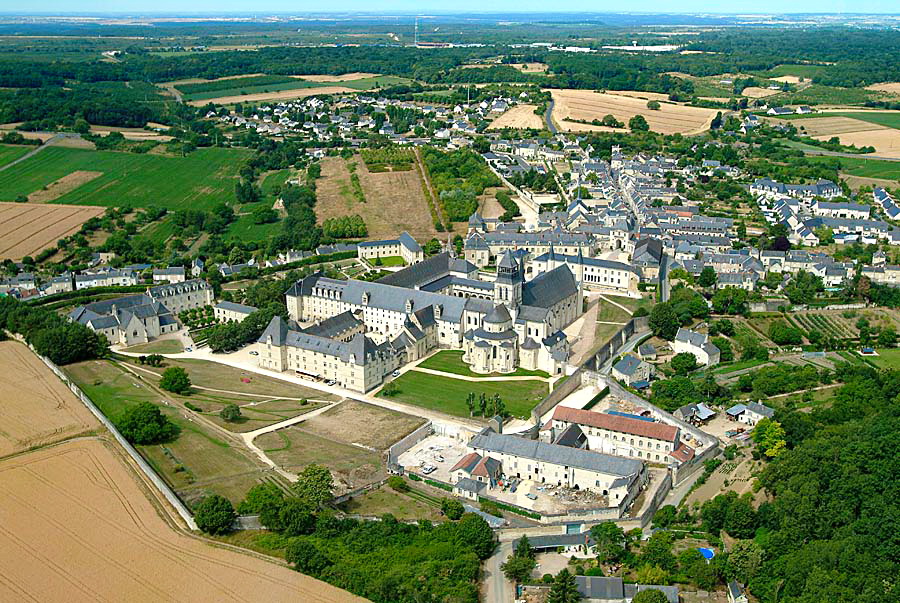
<point x="757" y="92"/>
<point x="588" y="105"/>
<point x="27" y="229"/>
<point x="658" y="96"/>
<point x="270" y="96"/>
<point x="885" y="140"/>
<point x="520" y="116"/>
<point x="829" y="126"/>
<point x="78" y="526"/>
<point x="37" y="408"/>
<point x="890" y="87"/>
<point x="395" y="201"/>
<point x="356" y="75"/>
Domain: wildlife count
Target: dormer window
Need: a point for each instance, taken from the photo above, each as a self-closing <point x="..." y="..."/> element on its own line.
<point x="409" y="306"/>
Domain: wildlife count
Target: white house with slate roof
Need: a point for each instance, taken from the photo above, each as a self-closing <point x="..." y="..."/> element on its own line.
<point x="697" y="344"/>
<point x="135" y="319"/>
<point x="226" y="311"/>
<point x="606" y="276"/>
<point x="631" y="369"/>
<point x="403" y="246"/>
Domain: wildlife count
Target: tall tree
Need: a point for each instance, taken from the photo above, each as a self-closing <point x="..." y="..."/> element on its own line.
<point x="315" y="485"/>
<point x="564" y="589"/>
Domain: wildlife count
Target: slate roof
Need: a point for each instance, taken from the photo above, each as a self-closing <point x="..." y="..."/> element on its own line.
<point x="761" y="409"/>
<point x="277" y="329"/>
<point x="549" y="288"/>
<point x="491" y="441"/>
<point x="233" y="307"/>
<point x="421" y="273"/>
<point x="638" y="427"/>
<point x="470" y="485"/>
<point x="627" y="365"/>
<point x="334" y="326"/>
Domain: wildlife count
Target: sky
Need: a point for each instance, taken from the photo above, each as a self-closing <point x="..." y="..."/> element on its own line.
<point x="420" y="6"/>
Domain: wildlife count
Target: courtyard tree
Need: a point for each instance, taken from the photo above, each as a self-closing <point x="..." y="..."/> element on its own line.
<point x="175" y="379"/>
<point x="610" y="541"/>
<point x="664" y="321"/>
<point x="564" y="589"/>
<point x="518" y="569"/>
<point x="683" y="363"/>
<point x="708" y="277"/>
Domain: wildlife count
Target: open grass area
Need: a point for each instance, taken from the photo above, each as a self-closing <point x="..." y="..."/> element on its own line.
<point x="887" y="358"/>
<point x="294" y="448"/>
<point x="889" y="120"/>
<point x="10" y="152"/>
<point x="450" y="361"/>
<point x="161" y="346"/>
<point x="388" y="261"/>
<point x="385" y="500"/>
<point x="361" y="424"/>
<point x="448" y="395"/>
<point x="378" y="81"/>
<point x="199" y="181"/>
<point x="199" y="461"/>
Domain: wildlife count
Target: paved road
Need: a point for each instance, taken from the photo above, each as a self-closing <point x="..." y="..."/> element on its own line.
<point x="548" y="117"/>
<point x="497" y="588"/>
<point x="37" y="150"/>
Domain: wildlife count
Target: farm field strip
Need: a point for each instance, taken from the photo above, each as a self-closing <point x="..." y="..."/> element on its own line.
<point x="588" y="105"/>
<point x="200" y="180"/>
<point x="76" y="512"/>
<point x="520" y="116"/>
<point x="9" y="153"/>
<point x="28" y="229"/>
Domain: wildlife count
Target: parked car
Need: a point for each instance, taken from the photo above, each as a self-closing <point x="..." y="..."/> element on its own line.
<point x="429" y="469"/>
<point x="188" y="349"/>
<point x="531" y="496"/>
<point x="254" y="353"/>
<point x="395" y="374"/>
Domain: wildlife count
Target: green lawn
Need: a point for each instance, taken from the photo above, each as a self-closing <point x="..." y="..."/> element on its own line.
<point x="450" y="361"/>
<point x="198" y="461"/>
<point x="388" y="261"/>
<point x="448" y="395"/>
<point x="887" y="358"/>
<point x="866" y="168"/>
<point x="199" y="181"/>
<point x="245" y="229"/>
<point x="10" y="152"/>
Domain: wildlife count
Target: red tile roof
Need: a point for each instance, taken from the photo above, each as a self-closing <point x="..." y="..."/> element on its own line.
<point x="467" y="462"/>
<point x="658" y="431"/>
<point x="682" y="453"/>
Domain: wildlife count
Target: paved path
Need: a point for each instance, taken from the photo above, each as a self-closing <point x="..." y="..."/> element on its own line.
<point x="419" y="369"/>
<point x="548" y="117"/>
<point x="37" y="150"/>
<point x="496" y="587"/>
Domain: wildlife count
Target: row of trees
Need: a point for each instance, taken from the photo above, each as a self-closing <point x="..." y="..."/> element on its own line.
<point x="233" y="335"/>
<point x="345" y="227"/>
<point x="52" y="336"/>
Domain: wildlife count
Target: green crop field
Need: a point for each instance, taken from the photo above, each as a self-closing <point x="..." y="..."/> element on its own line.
<point x="804" y="71"/>
<point x="294" y="84"/>
<point x="10" y="153"/>
<point x="449" y="395"/>
<point x="865" y="168"/>
<point x="379" y="81"/>
<point x="889" y="120"/>
<point x="199" y="181"/>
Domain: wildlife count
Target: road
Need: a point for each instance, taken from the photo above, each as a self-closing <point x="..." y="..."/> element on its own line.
<point x="548" y="117"/>
<point x="495" y="586"/>
<point x="33" y="152"/>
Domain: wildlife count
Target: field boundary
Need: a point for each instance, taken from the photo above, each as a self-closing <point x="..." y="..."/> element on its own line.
<point x="145" y="468"/>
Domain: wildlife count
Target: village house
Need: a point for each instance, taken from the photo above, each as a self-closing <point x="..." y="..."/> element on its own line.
<point x="697" y="344"/>
<point x="632" y="370"/>
<point x="226" y="311"/>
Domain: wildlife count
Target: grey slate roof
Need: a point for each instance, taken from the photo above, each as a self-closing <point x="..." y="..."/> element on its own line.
<point x="627" y="365"/>
<point x="277" y="329"/>
<point x="491" y="441"/>
<point x="421" y="273"/>
<point x="233" y="307"/>
<point x="334" y="326"/>
<point x="470" y="485"/>
<point x="549" y="288"/>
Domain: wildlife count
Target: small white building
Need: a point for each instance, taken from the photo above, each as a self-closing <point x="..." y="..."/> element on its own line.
<point x="172" y="274"/>
<point x="226" y="311"/>
<point x="750" y="414"/>
<point x="403" y="246"/>
<point x="697" y="344"/>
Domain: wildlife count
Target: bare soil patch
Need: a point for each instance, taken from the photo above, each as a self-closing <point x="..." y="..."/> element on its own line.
<point x="37" y="408"/>
<point x="268" y="96"/>
<point x="532" y="67"/>
<point x="520" y="116"/>
<point x="27" y="229"/>
<point x="788" y="79"/>
<point x="588" y="105"/>
<point x="67" y="183"/>
<point x="346" y="77"/>
<point x="363" y="424"/>
<point x="757" y="92"/>
<point x="78" y="526"/>
<point x="395" y="201"/>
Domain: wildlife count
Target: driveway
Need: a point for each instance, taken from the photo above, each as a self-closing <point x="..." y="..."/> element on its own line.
<point x="494" y="585"/>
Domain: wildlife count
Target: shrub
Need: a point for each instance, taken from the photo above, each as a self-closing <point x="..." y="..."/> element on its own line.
<point x="398" y="483"/>
<point x="231" y="413"/>
<point x="145" y="424"/>
<point x="215" y="515"/>
<point x="175" y="379"/>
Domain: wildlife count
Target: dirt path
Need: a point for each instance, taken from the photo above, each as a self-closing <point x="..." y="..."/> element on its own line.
<point x="477" y="379"/>
<point x="32" y="153"/>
